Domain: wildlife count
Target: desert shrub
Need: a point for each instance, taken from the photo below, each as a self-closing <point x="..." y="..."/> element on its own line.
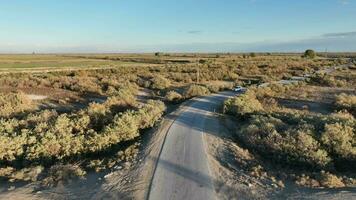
<point x="243" y="105"/>
<point x="347" y="102"/>
<point x="160" y="82"/>
<point x="26" y="174"/>
<point x="73" y="134"/>
<point x="173" y="96"/>
<point x="295" y="145"/>
<point x="340" y="139"/>
<point x="195" y="90"/>
<point x="14" y="103"/>
<point x="11" y="145"/>
<point x="320" y="179"/>
<point x="307" y="181"/>
<point x="329" y="180"/>
<point x="213" y="88"/>
<point x="327" y="80"/>
<point x="122" y="89"/>
<point x="126" y="155"/>
<point x="303" y="147"/>
<point x="316" y="141"/>
<point x="216" y="87"/>
<point x="5" y="172"/>
<point x="149" y="114"/>
<point x="62" y="174"/>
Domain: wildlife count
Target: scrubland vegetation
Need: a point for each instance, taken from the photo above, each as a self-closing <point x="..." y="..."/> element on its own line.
<point x="318" y="149"/>
<point x="14" y="103"/>
<point x="40" y="141"/>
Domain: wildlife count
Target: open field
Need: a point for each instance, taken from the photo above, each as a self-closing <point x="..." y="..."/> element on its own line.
<point x="64" y="117"/>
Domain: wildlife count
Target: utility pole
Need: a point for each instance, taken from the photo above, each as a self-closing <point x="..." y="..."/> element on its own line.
<point x="198" y="73"/>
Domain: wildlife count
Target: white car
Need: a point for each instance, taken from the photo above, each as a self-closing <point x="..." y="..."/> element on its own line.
<point x="239" y="89"/>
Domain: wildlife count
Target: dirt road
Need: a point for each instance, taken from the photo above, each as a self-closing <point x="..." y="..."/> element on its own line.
<point x="183" y="170"/>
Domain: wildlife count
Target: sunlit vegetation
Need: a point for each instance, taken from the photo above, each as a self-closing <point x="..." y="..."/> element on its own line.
<point x="173" y="96"/>
<point x="303" y="141"/>
<point x="38" y="138"/>
<point x="243" y="105"/>
<point x="14" y="103"/>
<point x="348" y="102"/>
<point x="195" y="90"/>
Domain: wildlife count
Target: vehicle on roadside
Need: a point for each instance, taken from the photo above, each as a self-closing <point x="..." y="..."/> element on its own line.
<point x="239" y="89"/>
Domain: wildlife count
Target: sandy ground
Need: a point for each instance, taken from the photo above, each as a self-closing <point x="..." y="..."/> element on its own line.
<point x="226" y="158"/>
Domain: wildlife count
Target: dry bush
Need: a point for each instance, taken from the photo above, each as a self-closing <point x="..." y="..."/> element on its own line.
<point x="329" y="180"/>
<point x="219" y="86"/>
<point x="340" y="139"/>
<point x="173" y="96"/>
<point x="320" y="179"/>
<point x="348" y="102"/>
<point x="307" y="181"/>
<point x="14" y="103"/>
<point x="327" y="80"/>
<point x="289" y="144"/>
<point x="195" y="90"/>
<point x="68" y="135"/>
<point x="298" y="140"/>
<point x="243" y="105"/>
<point x="62" y="174"/>
<point x="26" y="174"/>
<point x="159" y="82"/>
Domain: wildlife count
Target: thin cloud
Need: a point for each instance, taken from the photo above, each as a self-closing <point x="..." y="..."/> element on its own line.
<point x="344" y="2"/>
<point x="340" y="35"/>
<point x="194" y="32"/>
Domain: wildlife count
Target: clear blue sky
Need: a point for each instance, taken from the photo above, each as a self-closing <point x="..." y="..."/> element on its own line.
<point x="176" y="25"/>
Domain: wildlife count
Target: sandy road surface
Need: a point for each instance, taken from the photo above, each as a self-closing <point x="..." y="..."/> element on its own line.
<point x="183" y="170"/>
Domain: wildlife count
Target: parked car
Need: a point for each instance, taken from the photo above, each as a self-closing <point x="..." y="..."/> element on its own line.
<point x="239" y="89"/>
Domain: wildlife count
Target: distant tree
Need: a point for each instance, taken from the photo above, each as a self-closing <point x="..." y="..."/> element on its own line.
<point x="253" y="54"/>
<point x="202" y="61"/>
<point x="157" y="54"/>
<point x="309" y="53"/>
